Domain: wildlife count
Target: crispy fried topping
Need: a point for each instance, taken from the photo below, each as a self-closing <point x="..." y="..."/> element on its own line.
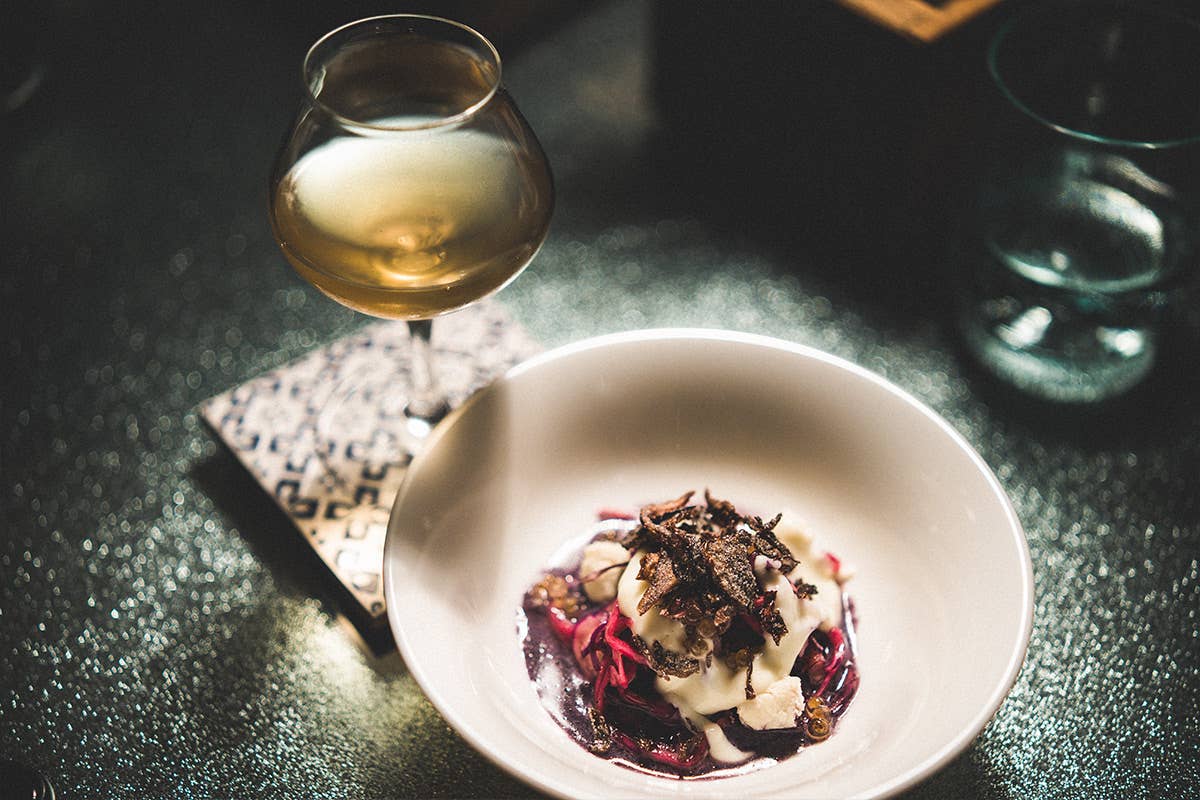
<point x="666" y="662"/>
<point x="699" y="563"/>
<point x="768" y="543"/>
<point x="729" y="561"/>
<point x="658" y="571"/>
<point x="658" y="511"/>
<point x="804" y="590"/>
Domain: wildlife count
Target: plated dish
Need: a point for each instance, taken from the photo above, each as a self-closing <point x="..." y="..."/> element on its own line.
<point x="691" y="641"/>
<point x="509" y="482"/>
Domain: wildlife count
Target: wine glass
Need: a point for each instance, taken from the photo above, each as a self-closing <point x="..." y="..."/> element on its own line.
<point x="408" y="186"/>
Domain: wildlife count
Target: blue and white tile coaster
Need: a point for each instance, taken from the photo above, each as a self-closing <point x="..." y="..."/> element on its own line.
<point x="340" y="502"/>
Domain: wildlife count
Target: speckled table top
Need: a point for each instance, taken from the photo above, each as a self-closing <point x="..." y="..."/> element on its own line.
<point x="162" y="634"/>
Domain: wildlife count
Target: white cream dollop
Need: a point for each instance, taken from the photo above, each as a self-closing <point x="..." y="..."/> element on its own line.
<point x="777" y="707"/>
<point x="814" y="567"/>
<point x="599" y="563"/>
<point x="719" y="746"/>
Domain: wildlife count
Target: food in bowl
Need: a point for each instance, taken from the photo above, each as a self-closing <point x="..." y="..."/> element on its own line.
<point x="689" y="640"/>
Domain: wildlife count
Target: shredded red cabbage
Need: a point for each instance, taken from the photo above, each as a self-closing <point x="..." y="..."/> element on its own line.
<point x="613" y="658"/>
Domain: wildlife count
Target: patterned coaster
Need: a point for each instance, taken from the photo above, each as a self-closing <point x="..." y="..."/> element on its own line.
<point x="332" y="480"/>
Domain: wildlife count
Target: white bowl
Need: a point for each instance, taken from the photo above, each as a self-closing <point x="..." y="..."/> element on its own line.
<point x="944" y="584"/>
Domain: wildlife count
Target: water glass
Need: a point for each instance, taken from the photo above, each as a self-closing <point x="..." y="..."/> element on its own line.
<point x="1082" y="239"/>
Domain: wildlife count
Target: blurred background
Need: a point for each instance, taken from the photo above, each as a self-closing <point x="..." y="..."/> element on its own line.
<point x="790" y="168"/>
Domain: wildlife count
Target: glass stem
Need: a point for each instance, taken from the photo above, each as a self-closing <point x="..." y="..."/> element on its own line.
<point x="426" y="401"/>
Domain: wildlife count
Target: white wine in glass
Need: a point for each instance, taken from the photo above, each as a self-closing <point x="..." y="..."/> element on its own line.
<point x="409" y="185"/>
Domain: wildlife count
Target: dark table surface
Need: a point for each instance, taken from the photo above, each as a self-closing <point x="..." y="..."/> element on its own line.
<point x="164" y="633"/>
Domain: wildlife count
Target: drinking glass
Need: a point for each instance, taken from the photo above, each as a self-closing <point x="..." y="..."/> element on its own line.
<point x="1084" y="233"/>
<point x="408" y="186"/>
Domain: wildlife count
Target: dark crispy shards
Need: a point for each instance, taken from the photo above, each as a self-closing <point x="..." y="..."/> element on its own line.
<point x="699" y="562"/>
<point x="655" y="568"/>
<point x="768" y="543"/>
<point x="664" y="661"/>
<point x="662" y="510"/>
<point x="804" y="590"/>
<point x="771" y="620"/>
<point x="729" y="563"/>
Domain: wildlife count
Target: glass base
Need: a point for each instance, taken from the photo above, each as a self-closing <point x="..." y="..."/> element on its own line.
<point x="24" y="782"/>
<point x="1066" y="363"/>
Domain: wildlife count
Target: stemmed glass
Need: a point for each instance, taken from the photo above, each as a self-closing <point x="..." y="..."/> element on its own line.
<point x="408" y="186"/>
